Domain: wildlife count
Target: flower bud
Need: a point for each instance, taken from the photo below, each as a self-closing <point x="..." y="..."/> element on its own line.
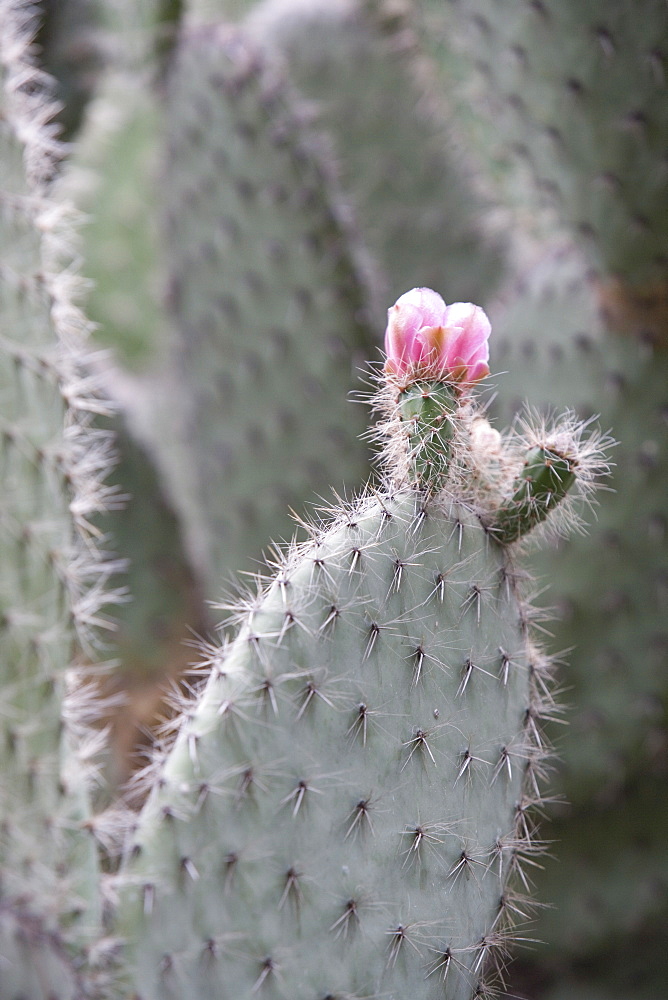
<point x="427" y="339"/>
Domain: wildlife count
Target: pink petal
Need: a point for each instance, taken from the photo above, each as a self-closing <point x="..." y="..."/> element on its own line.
<point x="403" y="323"/>
<point x="449" y="341"/>
<point x="430" y="304"/>
<point x="414" y="310"/>
<point x="480" y="369"/>
<point x="433" y="339"/>
<point x="470" y="342"/>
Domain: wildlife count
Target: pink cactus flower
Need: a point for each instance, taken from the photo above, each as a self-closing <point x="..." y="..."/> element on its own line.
<point x="427" y="339"/>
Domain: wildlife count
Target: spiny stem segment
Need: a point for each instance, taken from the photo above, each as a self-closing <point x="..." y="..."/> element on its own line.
<point x="543" y="483"/>
<point x="427" y="408"/>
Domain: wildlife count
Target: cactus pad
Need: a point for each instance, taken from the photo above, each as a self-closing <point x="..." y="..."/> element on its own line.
<point x="345" y="801"/>
<point x="267" y="298"/>
<point x="566" y="104"/>
<point x="422" y="215"/>
<point x="51" y="574"/>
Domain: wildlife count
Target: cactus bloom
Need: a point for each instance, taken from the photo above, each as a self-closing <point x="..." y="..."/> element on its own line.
<point x="429" y="339"/>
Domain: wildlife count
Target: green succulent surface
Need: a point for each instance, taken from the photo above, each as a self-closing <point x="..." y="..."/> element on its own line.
<point x="608" y="588"/>
<point x="345" y="800"/>
<point x="51" y="575"/>
<point x="565" y="105"/>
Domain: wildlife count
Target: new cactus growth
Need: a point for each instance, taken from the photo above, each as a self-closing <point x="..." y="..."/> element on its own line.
<point x="544" y="480"/>
<point x="435" y="437"/>
<point x="434" y="353"/>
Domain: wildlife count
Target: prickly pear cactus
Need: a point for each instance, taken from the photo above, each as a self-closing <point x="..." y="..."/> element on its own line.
<point x="337" y="816"/>
<point x="214" y="214"/>
<point x="51" y="574"/>
<point x="414" y="194"/>
<point x="608" y="586"/>
<point x="266" y="296"/>
<point x="244" y="283"/>
<point x="348" y="794"/>
<point x="565" y="104"/>
<point x="317" y="722"/>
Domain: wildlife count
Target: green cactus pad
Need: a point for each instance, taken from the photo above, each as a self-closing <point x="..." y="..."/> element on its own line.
<point x="566" y="105"/>
<point x="346" y="798"/>
<point x="111" y="175"/>
<point x="607" y="583"/>
<point x="267" y="299"/>
<point x="543" y="483"/>
<point x="608" y="587"/>
<point x="51" y="575"/>
<point x="427" y="409"/>
<point x="413" y="190"/>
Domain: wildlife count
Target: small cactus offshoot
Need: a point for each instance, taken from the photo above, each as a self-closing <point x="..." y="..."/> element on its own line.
<point x="436" y="437"/>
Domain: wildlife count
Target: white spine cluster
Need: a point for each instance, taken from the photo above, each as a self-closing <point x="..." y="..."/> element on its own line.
<point x="86" y="453"/>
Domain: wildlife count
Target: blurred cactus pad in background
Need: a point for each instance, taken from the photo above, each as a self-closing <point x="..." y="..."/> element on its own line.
<point x="238" y="764"/>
